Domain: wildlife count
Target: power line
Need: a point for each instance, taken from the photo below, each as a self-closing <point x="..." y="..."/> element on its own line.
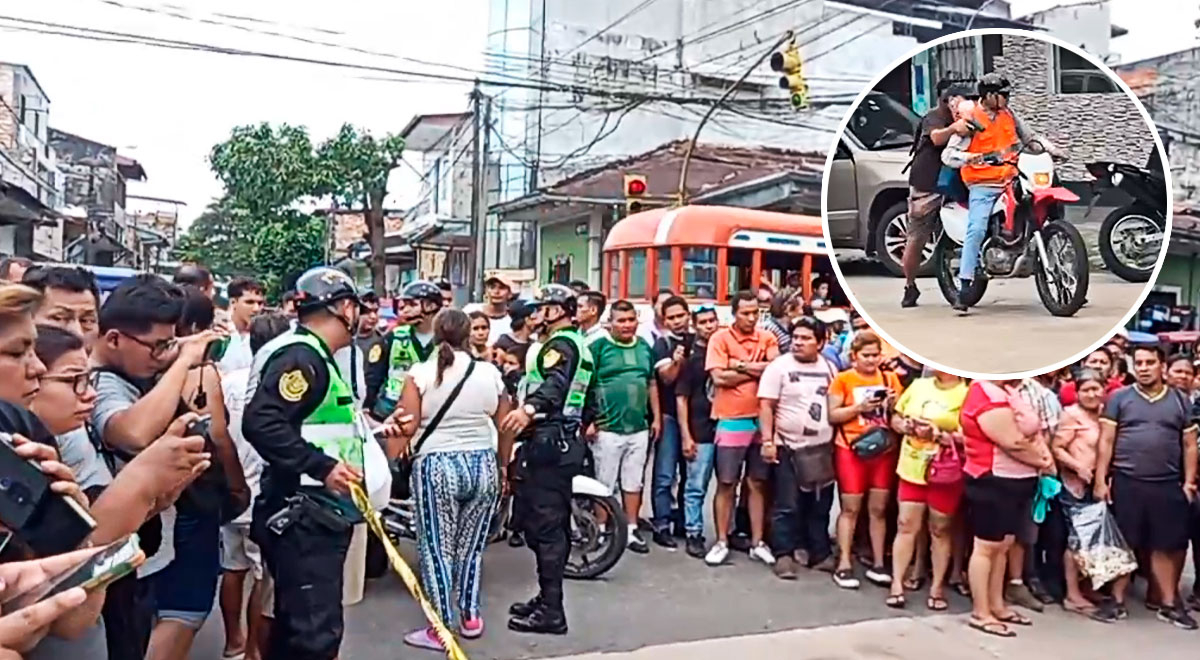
<point x="644" y="4"/>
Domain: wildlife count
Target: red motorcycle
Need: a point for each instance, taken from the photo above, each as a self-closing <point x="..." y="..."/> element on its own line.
<point x="1026" y="235"/>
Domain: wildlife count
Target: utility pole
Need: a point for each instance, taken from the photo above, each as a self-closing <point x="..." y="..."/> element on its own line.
<point x="474" y="266"/>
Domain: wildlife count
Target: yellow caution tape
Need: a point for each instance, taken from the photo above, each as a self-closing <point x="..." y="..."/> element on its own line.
<point x="453" y="650"/>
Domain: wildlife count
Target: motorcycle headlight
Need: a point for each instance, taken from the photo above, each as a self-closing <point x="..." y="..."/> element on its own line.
<point x="1117" y="177"/>
<point x="1041" y="179"/>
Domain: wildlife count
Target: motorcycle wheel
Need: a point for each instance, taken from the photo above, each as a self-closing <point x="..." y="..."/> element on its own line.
<point x="1120" y="265"/>
<point x="595" y="551"/>
<point x="945" y="262"/>
<point x="1059" y="301"/>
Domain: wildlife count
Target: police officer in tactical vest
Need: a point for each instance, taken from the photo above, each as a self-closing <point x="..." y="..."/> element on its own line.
<point x="547" y="423"/>
<point x="301" y="420"/>
<point x="409" y="343"/>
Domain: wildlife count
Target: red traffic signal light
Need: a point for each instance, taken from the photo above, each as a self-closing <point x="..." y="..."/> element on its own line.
<point x="635" y="186"/>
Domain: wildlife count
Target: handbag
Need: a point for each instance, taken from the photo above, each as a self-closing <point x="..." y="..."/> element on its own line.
<point x="814" y="466"/>
<point x="377" y="474"/>
<point x="872" y="443"/>
<point x="945" y="468"/>
<point x="401" y="484"/>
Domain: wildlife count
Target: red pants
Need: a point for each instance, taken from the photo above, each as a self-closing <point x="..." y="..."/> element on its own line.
<point x="856" y="475"/>
<point x="943" y="498"/>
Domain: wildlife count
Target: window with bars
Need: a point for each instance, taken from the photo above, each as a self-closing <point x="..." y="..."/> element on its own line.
<point x="1074" y="74"/>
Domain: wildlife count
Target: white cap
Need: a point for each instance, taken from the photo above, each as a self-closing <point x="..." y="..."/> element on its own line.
<point x="832" y="315"/>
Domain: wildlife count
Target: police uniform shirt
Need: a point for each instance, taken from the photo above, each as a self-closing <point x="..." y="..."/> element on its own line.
<point x="557" y="362"/>
<point x="378" y="360"/>
<point x="291" y="388"/>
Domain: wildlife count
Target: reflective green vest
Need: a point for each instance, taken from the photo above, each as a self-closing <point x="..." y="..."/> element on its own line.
<point x="580" y="380"/>
<point x="400" y="359"/>
<point x="331" y="427"/>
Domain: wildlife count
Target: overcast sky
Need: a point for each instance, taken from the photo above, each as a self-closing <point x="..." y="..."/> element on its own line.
<point x="168" y="107"/>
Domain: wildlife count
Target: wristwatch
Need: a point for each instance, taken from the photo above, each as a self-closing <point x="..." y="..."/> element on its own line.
<point x="529" y="409"/>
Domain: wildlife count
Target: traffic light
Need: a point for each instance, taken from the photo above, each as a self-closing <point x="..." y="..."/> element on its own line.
<point x="635" y="192"/>
<point x="788" y="63"/>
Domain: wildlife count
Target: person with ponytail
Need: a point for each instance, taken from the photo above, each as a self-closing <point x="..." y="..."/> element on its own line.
<point x="459" y="465"/>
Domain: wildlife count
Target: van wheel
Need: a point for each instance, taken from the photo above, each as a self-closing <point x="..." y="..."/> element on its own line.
<point x="891" y="233"/>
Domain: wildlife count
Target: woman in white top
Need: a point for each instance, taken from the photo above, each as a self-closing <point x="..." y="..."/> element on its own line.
<point x="457" y="473"/>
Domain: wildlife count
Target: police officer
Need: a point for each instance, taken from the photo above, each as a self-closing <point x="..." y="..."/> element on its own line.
<point x="301" y="420"/>
<point x="547" y="423"/>
<point x="409" y="343"/>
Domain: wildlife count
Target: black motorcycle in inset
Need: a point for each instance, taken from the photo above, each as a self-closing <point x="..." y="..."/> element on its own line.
<point x="1131" y="236"/>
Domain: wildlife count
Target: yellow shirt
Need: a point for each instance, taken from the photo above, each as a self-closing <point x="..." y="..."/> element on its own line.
<point x="939" y="406"/>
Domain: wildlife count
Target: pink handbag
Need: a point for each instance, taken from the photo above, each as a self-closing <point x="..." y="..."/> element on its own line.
<point x="946" y="468"/>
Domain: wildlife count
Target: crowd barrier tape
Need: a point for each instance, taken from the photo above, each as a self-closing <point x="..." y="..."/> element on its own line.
<point x="453" y="650"/>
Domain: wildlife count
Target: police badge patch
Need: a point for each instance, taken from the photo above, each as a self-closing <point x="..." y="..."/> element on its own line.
<point x="293" y="386"/>
<point x="375" y="354"/>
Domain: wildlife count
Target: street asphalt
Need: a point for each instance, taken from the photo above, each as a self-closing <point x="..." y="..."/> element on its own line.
<point x="1010" y="330"/>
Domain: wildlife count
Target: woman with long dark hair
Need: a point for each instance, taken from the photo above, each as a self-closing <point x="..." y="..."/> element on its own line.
<point x="459" y="464"/>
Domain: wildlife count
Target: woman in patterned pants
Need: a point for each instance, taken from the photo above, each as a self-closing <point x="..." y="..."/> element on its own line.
<point x="457" y="475"/>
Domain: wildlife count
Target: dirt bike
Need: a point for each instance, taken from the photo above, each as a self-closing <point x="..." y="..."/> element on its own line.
<point x="1027" y="235"/>
<point x="1131" y="236"/>
<point x="595" y="548"/>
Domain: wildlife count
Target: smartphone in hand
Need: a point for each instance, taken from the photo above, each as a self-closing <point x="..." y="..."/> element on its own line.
<point x="112" y="563"/>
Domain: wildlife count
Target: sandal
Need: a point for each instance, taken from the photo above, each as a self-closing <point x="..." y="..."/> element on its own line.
<point x="1082" y="610"/>
<point x="895" y="601"/>
<point x="1016" y="619"/>
<point x="914" y="583"/>
<point x="936" y="604"/>
<point x="961" y="588"/>
<point x="996" y="628"/>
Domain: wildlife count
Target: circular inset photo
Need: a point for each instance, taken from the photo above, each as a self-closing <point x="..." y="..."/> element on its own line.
<point x="997" y="204"/>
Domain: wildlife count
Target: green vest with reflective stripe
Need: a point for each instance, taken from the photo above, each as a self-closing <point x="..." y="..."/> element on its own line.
<point x="580" y="380"/>
<point x="331" y="427"/>
<point x="401" y="358"/>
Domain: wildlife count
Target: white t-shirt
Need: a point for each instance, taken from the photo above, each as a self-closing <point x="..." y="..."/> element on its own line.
<point x="235" y="385"/>
<point x="467" y="425"/>
<point x="238" y="354"/>
<point x="498" y="326"/>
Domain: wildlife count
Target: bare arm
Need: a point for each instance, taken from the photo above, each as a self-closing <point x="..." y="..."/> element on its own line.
<point x="1104" y="451"/>
<point x="655" y="407"/>
<point x="730" y="377"/>
<point x="139" y="424"/>
<point x="839" y="412"/>
<point x="504" y="445"/>
<point x="1191" y="453"/>
<point x="685" y="427"/>
<point x="1000" y="426"/>
<point x="410" y="401"/>
<point x="766" y="419"/>
<point x="1063" y="438"/>
<point x="223" y="447"/>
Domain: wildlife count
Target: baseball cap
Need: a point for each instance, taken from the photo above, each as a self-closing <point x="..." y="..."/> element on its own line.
<point x="498" y="279"/>
<point x="832" y="315"/>
<point x="520" y="309"/>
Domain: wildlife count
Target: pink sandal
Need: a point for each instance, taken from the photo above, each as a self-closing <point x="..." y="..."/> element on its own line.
<point x="424" y="638"/>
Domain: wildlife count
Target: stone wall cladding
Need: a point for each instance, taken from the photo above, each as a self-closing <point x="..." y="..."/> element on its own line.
<point x="1091" y="126"/>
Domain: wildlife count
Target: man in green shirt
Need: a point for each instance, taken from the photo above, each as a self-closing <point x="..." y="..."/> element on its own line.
<point x="624" y="389"/>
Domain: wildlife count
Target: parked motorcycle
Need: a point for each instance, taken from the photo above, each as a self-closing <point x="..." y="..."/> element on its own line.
<point x="595" y="548"/>
<point x="1131" y="236"/>
<point x="1026" y="235"/>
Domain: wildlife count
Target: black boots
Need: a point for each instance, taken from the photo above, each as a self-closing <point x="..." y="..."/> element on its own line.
<point x="535" y="617"/>
<point x="959" y="303"/>
<point x="911" y="293"/>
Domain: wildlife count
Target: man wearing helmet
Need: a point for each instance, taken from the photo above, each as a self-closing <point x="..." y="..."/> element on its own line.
<point x="553" y="398"/>
<point x="409" y="343"/>
<point x="301" y="420"/>
<point x="999" y="130"/>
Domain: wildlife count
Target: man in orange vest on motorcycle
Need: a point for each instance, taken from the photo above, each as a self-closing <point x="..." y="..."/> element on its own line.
<point x="999" y="131"/>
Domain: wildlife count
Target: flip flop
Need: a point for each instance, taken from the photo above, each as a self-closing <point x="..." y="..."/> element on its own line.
<point x="962" y="589"/>
<point x="996" y="628"/>
<point x="936" y="604"/>
<point x="1016" y="619"/>
<point x="895" y="601"/>
<point x="1080" y="610"/>
<point x="914" y="584"/>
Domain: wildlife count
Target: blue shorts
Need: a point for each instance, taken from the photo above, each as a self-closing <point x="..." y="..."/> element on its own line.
<point x="184" y="591"/>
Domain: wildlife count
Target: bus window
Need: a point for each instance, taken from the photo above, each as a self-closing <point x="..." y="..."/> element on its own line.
<point x="699" y="273"/>
<point x="665" y="272"/>
<point x="637" y="273"/>
<point x="740" y="263"/>
<point x="822" y="271"/>
<point x="614" y="275"/>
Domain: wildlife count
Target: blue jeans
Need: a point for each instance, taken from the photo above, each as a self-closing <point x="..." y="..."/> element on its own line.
<point x="979" y="208"/>
<point x="699" y="474"/>
<point x="668" y="461"/>
<point x="185" y="589"/>
<point x="799" y="518"/>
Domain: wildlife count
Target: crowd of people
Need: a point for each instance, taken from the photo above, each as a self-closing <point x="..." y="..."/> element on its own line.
<point x="936" y="479"/>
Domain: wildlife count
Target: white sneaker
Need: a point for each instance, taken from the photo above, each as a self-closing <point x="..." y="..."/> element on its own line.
<point x="717" y="554"/>
<point x="762" y="553"/>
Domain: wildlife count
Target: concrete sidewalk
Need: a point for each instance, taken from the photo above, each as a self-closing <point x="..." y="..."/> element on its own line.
<point x="1054" y="635"/>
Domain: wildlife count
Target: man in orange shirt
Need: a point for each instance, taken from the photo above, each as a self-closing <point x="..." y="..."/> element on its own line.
<point x="736" y="358"/>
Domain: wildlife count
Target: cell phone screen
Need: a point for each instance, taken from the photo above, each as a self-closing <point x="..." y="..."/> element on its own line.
<point x="113" y="562"/>
<point x="200" y="427"/>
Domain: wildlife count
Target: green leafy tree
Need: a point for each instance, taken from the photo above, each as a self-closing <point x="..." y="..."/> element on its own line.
<point x="218" y="239"/>
<point x="353" y="168"/>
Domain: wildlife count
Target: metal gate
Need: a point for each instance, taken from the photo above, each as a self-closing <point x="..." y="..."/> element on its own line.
<point x="957" y="61"/>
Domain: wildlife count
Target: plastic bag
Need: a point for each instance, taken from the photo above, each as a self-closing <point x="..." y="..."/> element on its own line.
<point x="1096" y="542"/>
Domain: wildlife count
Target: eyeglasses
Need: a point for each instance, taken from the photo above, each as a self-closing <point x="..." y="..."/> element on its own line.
<point x="157" y="349"/>
<point x="80" y="382"/>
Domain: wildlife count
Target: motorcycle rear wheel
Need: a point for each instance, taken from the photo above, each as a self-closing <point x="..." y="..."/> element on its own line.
<point x="1057" y="301"/>
<point x="945" y="263"/>
<point x="1114" y="262"/>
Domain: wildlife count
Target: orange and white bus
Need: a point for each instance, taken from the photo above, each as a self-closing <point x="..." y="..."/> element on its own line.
<point x="709" y="253"/>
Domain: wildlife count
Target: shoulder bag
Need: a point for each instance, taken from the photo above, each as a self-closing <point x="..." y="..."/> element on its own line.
<point x="945" y="468"/>
<point x="401" y="485"/>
